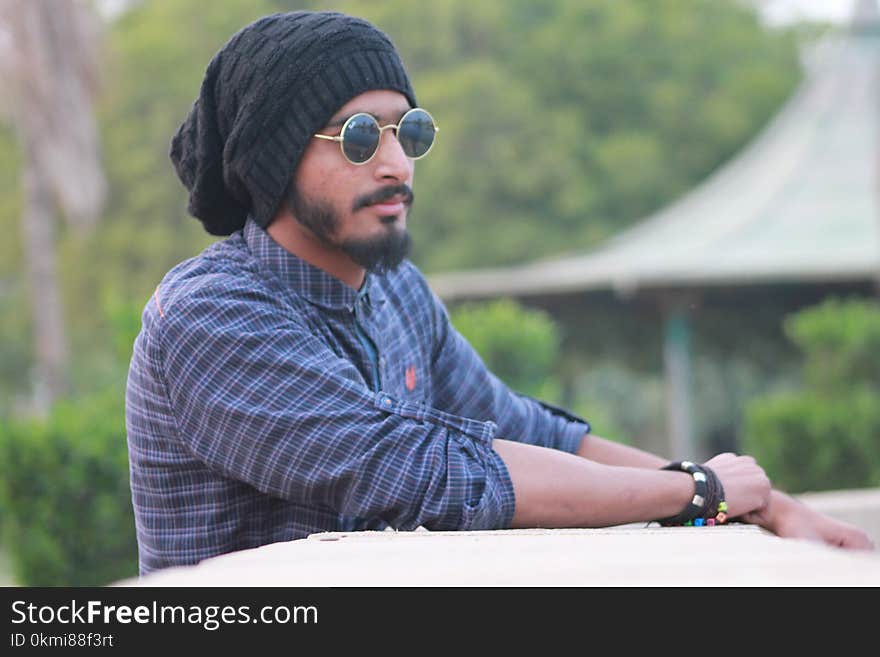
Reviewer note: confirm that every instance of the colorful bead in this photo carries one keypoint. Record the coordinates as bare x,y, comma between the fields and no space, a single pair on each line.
721,517
722,506
688,523
698,522
710,522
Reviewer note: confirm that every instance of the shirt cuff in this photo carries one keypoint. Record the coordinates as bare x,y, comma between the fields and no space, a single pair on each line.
570,428
494,508
572,436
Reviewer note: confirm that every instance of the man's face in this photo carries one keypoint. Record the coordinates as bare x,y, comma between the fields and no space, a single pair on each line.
359,210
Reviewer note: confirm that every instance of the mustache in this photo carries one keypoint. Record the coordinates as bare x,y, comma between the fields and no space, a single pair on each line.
403,190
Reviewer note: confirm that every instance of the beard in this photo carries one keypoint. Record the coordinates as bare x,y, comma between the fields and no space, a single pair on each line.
378,254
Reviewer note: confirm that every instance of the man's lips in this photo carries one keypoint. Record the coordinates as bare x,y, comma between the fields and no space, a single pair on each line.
390,200
395,205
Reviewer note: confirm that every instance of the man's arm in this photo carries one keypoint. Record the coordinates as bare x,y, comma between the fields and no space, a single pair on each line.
783,515
558,489
790,518
608,452
260,398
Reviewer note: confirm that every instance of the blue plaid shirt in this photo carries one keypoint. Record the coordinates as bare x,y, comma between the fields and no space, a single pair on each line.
255,412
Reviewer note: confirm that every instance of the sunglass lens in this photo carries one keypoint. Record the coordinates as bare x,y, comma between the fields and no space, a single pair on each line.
416,133
360,138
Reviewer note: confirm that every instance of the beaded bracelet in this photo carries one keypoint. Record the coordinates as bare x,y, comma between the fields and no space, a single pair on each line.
708,498
719,519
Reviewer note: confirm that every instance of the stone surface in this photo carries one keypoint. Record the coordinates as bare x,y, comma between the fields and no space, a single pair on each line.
628,555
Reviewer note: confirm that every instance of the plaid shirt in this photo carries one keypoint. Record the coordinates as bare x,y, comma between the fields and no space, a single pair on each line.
255,413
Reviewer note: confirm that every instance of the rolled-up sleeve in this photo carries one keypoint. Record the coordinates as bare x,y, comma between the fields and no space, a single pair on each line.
260,398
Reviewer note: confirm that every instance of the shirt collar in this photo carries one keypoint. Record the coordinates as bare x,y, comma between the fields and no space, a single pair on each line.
311,282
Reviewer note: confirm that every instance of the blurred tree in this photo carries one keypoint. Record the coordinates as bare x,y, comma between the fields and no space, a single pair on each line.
825,434
50,67
561,122
564,121
155,56
64,492
15,343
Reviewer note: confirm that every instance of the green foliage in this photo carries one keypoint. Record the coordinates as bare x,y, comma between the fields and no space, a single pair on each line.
808,441
825,435
841,341
520,345
64,489
576,119
125,321
562,121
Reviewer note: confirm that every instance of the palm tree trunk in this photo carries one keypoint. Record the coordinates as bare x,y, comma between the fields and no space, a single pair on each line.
38,230
48,77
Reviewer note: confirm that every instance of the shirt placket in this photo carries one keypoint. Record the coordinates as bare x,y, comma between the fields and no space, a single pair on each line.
362,313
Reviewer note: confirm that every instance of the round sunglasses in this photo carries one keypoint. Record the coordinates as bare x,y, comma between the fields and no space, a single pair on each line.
361,133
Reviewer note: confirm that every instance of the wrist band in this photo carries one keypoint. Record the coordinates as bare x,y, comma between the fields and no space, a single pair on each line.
695,507
715,503
708,506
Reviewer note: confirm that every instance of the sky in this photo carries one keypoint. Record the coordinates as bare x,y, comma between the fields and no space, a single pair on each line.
778,12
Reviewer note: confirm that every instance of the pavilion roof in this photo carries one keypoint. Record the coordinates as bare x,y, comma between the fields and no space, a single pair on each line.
799,203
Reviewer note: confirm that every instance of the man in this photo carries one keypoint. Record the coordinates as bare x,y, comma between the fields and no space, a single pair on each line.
300,376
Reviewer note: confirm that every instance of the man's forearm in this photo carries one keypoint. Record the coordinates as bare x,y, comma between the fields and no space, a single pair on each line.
608,452
782,514
558,489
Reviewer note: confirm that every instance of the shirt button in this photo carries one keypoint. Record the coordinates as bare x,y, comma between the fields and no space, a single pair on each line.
386,401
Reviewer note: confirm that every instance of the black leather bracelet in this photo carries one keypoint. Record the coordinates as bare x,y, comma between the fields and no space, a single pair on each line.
697,506
714,493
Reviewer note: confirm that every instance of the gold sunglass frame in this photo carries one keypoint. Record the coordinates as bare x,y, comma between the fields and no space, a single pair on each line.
339,138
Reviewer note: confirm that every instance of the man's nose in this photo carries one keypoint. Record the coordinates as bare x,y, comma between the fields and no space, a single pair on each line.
391,161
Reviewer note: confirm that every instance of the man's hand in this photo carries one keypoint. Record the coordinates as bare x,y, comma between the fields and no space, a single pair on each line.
746,486
789,518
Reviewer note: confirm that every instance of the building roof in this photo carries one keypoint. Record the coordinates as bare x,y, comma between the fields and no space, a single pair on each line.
799,203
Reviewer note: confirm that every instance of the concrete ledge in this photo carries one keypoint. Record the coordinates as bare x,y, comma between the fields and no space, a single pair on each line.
628,555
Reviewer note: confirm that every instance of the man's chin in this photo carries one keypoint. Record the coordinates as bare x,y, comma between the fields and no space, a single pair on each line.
382,254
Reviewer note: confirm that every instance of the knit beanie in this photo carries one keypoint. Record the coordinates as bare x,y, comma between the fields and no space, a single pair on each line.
273,85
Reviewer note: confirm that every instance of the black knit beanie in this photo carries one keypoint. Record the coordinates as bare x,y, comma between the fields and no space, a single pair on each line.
265,93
